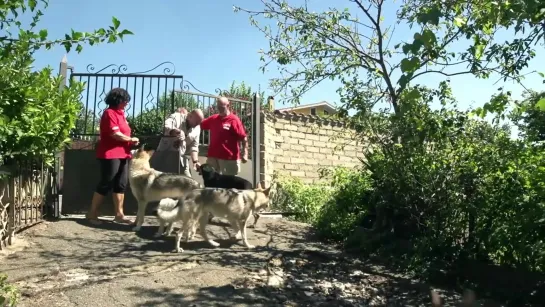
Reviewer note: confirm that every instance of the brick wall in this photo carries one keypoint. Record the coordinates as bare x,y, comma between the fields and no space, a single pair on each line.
299,145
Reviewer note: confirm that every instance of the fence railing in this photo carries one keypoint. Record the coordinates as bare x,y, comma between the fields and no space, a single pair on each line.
153,129
27,194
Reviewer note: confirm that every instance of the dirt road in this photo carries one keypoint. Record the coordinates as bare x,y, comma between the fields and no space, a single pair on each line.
69,263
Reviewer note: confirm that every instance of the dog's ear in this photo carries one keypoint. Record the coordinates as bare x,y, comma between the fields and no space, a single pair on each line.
267,191
259,186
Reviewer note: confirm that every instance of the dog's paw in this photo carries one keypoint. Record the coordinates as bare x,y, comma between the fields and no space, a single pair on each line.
178,250
136,228
249,246
238,236
214,243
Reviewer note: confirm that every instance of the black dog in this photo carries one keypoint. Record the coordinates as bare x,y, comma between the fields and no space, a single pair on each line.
213,179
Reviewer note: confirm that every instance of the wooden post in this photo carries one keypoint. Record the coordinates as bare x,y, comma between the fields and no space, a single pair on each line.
11,213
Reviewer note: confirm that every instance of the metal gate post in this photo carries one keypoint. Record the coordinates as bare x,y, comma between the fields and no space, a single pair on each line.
256,139
63,72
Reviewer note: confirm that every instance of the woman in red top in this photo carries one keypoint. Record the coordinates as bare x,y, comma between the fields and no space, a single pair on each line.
113,154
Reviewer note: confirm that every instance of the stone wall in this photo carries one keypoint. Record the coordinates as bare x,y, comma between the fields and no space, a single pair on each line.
299,145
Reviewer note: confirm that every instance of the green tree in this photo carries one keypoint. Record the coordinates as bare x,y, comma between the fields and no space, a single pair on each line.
530,117
86,123
244,108
150,122
35,117
243,92
480,21
310,47
444,185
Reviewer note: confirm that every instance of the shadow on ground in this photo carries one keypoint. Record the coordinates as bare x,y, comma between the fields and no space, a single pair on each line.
70,263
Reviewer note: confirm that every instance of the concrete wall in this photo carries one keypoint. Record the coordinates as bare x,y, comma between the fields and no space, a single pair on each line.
291,143
299,145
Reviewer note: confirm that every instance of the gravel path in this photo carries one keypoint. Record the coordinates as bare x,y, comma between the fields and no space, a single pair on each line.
69,263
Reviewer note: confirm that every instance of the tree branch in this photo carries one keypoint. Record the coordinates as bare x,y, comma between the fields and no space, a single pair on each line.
382,64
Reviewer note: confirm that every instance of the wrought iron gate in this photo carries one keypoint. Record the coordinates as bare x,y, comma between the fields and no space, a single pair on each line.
154,96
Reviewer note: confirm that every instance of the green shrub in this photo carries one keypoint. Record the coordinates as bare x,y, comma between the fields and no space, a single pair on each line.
9,294
453,189
303,200
456,189
347,205
335,206
35,117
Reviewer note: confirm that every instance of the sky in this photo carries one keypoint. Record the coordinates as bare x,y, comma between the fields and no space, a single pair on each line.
210,45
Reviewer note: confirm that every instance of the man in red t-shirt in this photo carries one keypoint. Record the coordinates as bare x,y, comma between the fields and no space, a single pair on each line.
226,132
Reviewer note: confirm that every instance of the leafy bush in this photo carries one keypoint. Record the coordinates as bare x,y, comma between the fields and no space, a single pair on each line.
9,294
36,117
347,205
304,201
334,206
455,188
151,122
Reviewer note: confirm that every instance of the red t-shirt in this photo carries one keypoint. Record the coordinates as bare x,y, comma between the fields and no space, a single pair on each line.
113,120
225,134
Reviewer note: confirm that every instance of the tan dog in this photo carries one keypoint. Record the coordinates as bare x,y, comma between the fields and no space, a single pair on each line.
149,185
234,205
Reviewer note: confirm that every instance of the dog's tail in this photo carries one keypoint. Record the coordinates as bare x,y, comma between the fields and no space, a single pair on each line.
168,209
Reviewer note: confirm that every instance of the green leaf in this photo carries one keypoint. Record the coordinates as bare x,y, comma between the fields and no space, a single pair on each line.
410,65
116,22
77,35
459,22
407,48
540,105
479,51
428,38
403,81
431,16
413,94
542,75
32,4
126,32
43,34
79,48
67,46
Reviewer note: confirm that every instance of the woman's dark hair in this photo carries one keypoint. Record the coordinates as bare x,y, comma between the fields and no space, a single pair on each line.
116,96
